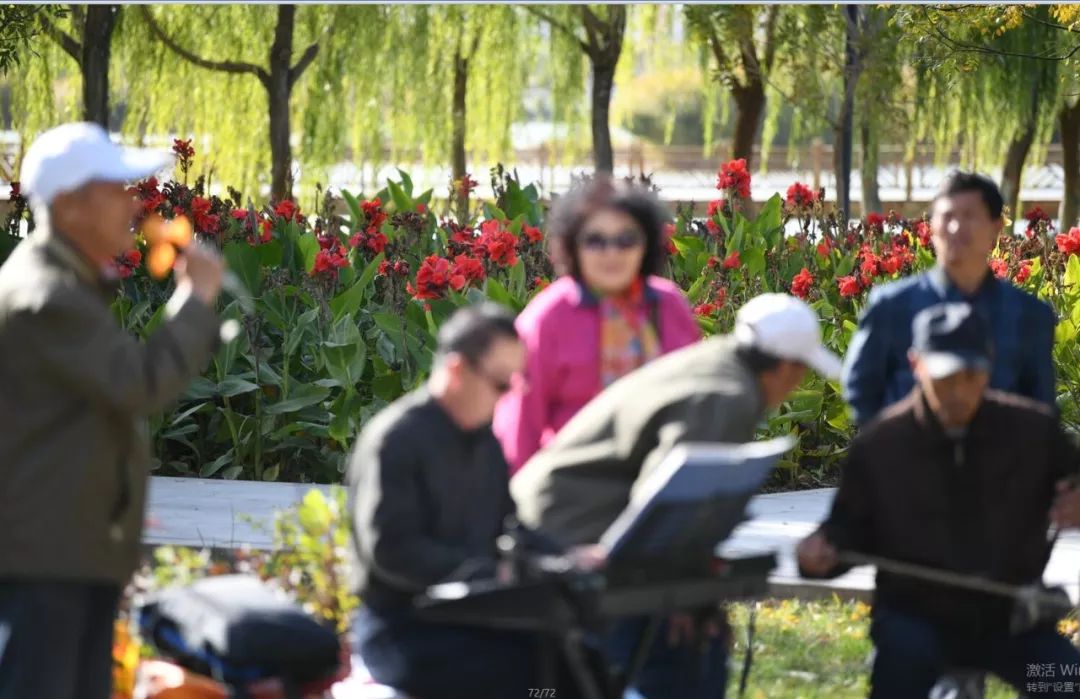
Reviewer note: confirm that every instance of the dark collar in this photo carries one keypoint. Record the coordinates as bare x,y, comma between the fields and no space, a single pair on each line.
929,422
941,283
586,298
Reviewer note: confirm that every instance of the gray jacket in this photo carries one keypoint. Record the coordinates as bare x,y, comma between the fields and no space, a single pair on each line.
75,388
580,482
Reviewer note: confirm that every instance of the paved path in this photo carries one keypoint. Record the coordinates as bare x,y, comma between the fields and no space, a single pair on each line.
200,512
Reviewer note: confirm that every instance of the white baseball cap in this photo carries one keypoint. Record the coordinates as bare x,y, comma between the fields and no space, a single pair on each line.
67,157
785,327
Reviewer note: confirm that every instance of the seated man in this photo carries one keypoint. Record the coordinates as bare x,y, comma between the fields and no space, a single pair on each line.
428,493
958,478
716,390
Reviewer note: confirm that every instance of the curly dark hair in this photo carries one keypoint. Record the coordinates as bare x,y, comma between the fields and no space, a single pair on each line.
570,212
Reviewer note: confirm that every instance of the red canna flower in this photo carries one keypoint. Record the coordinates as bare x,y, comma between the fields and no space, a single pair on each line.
329,261
799,196
669,235
875,222
370,239
464,186
849,286
433,279
374,216
288,210
713,227
470,268
801,283
721,298
891,264
205,222
734,178
1024,273
870,261
716,205
384,268
184,153
824,248
539,283
1069,243
922,232
732,261
705,309
498,243
133,258
713,262
421,208
1036,216
999,267
532,233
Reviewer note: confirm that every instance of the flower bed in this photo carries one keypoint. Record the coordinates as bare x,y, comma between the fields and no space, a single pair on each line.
346,305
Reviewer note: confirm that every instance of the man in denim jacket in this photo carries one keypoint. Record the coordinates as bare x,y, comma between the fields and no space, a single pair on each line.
966,222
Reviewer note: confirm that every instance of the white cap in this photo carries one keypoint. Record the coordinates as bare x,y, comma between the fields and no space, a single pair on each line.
69,156
785,327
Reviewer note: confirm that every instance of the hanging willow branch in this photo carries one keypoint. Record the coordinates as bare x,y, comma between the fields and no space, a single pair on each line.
223,66
72,47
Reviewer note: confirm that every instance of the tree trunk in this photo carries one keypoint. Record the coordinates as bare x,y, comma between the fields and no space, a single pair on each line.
1016,156
843,132
1069,122
868,171
461,85
279,90
603,79
94,63
749,107
457,147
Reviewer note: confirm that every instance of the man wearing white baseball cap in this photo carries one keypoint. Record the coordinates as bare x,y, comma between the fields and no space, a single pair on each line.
74,451
716,390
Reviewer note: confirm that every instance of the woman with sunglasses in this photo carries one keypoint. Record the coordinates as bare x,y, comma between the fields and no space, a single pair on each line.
606,315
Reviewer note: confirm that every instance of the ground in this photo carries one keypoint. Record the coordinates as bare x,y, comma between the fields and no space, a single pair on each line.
811,650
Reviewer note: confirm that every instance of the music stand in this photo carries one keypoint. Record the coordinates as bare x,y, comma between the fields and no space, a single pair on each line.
694,500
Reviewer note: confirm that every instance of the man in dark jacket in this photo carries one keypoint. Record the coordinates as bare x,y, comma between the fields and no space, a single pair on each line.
76,389
967,220
428,491
957,478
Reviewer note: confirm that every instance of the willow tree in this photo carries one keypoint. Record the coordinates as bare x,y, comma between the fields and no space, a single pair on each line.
596,31
743,41
992,80
459,89
83,34
278,76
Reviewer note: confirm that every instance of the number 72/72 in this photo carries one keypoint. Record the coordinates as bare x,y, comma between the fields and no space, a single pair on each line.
542,693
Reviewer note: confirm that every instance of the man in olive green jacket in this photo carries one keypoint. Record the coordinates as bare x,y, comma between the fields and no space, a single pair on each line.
74,391
714,391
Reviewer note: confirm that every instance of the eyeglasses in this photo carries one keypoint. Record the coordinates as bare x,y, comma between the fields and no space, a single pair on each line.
627,240
501,385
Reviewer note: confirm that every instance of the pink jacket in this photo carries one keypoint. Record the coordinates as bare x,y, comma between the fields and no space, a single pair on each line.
561,331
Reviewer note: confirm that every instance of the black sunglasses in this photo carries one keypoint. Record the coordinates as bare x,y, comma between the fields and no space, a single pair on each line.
501,386
626,240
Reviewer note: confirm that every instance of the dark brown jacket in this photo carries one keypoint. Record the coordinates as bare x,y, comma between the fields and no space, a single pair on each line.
75,388
976,505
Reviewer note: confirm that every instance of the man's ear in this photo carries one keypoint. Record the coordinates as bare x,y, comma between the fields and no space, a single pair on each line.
913,359
452,364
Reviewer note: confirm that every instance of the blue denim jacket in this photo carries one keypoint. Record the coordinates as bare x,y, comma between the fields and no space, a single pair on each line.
876,370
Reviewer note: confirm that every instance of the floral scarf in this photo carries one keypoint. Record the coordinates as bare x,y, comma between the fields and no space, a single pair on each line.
627,338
